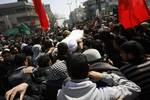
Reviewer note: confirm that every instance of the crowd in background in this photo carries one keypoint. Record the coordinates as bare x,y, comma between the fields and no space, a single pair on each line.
107,53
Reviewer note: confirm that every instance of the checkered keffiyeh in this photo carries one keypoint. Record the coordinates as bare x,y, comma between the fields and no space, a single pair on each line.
58,70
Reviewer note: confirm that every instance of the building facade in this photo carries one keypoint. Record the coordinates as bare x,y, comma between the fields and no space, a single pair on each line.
148,3
90,9
104,6
77,16
52,18
12,14
19,12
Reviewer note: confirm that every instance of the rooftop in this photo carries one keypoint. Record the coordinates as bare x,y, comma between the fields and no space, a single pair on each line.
15,5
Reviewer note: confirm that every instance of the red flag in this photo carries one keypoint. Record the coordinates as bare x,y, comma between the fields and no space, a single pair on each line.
132,12
41,13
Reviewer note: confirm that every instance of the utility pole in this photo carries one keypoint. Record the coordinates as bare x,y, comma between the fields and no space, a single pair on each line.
69,5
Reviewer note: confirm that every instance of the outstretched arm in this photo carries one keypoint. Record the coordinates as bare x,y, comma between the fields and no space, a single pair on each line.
121,88
21,89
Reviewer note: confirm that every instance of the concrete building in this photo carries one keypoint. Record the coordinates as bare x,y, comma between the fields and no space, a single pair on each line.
90,9
104,6
148,3
12,14
77,16
18,12
112,2
51,16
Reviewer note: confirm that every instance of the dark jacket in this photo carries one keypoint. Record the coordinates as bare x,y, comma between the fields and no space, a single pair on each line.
104,67
139,72
45,76
5,68
34,91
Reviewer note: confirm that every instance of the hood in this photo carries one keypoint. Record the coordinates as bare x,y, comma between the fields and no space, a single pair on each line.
81,90
36,49
102,66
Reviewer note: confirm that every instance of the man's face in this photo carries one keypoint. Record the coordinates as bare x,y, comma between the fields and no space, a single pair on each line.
6,56
26,62
127,57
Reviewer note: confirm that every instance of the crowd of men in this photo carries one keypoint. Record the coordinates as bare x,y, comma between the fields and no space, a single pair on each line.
106,62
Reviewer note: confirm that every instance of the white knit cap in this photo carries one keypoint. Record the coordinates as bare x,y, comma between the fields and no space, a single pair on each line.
71,43
92,55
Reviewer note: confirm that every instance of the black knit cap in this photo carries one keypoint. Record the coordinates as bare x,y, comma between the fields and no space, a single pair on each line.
77,66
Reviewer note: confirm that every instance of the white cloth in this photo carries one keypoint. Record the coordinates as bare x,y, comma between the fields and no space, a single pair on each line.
71,43
76,34
72,39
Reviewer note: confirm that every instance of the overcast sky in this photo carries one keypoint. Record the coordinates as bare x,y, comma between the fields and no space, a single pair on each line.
59,7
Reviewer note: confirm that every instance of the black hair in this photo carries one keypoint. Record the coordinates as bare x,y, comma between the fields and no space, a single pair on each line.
20,59
62,51
43,61
13,49
134,48
47,44
5,51
106,35
120,40
27,50
99,45
37,40
77,66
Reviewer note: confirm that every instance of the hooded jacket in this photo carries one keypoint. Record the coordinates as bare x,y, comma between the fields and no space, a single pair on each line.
36,49
86,90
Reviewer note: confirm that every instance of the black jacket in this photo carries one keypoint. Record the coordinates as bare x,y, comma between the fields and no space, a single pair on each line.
139,72
34,91
104,67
